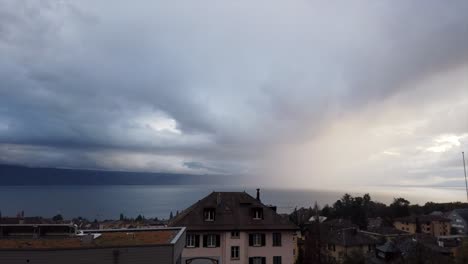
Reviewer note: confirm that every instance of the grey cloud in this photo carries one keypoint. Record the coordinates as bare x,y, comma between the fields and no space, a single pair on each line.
237,78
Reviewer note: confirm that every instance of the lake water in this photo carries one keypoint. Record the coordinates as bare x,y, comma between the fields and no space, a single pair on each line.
107,202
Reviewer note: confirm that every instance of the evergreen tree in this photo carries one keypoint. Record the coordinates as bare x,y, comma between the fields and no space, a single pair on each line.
58,217
139,218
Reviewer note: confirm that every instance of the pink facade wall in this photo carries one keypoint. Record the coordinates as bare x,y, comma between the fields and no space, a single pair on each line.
223,253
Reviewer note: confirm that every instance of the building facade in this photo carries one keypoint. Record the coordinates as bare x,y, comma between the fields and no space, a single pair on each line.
426,224
234,227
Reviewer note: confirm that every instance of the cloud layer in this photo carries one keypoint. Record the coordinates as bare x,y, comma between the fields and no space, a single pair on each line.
285,91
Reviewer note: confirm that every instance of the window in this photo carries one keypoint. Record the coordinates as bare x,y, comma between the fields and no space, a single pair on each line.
277,239
211,240
209,214
235,252
258,213
256,240
257,260
277,260
235,234
192,240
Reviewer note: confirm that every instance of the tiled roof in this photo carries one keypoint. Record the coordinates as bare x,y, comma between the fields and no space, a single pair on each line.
422,218
336,224
121,238
233,212
386,231
348,238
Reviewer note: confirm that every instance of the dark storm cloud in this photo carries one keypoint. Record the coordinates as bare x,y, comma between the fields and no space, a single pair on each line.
216,82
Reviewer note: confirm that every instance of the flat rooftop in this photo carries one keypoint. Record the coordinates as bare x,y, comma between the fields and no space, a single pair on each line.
97,239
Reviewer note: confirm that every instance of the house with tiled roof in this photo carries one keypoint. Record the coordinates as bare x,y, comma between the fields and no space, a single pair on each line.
340,243
234,227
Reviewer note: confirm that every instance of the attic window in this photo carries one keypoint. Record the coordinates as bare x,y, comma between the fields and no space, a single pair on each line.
209,214
257,213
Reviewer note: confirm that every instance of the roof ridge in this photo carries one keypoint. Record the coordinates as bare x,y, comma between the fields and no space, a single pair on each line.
189,209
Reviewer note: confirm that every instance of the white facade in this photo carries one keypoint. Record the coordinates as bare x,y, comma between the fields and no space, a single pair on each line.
222,253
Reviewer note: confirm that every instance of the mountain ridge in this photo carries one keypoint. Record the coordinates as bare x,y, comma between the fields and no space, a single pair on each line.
18,175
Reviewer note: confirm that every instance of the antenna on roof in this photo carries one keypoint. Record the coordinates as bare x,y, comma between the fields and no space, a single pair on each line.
464,169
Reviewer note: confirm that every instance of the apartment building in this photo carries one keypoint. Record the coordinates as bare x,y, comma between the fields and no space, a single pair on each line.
234,227
428,224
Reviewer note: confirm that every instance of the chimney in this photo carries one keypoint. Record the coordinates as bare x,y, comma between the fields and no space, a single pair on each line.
258,194
218,199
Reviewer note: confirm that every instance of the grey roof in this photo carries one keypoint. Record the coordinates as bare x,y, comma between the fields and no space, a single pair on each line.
386,231
388,247
349,238
407,244
336,224
463,213
233,212
25,220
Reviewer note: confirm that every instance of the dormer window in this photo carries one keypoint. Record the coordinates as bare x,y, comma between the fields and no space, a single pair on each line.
257,213
209,214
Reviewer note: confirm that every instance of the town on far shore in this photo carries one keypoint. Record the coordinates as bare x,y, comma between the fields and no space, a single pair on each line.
238,228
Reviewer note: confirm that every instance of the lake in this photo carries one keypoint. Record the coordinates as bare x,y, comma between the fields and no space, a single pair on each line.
107,202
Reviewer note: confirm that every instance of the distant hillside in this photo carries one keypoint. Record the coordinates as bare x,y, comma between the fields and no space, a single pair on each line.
20,175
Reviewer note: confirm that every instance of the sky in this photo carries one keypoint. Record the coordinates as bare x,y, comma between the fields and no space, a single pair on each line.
300,94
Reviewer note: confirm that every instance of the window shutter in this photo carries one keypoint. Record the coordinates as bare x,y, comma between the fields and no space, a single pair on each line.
197,240
250,239
263,240
263,260
218,241
205,240
250,260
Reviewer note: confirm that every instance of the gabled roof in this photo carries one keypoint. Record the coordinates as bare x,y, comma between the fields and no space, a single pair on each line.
349,238
422,218
233,212
386,231
337,224
388,247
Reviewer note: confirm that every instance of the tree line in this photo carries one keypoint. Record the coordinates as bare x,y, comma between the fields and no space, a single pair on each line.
358,209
